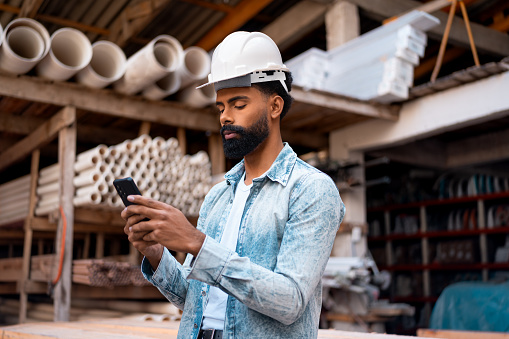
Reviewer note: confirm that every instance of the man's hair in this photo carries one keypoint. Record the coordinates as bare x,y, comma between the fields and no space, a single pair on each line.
274,87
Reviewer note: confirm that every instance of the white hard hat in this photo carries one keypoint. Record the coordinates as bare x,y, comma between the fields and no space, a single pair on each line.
243,58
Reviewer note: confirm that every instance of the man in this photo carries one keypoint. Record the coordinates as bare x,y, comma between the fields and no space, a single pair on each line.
264,235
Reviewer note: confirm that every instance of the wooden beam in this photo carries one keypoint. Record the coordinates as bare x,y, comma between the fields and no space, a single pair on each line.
241,14
296,22
65,234
486,39
345,104
107,102
42,135
133,19
30,7
58,21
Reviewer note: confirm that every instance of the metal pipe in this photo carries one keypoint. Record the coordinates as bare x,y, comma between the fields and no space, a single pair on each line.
70,52
108,64
162,55
26,42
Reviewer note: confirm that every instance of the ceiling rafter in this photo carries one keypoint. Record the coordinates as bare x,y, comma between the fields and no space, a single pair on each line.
29,8
211,5
241,14
133,19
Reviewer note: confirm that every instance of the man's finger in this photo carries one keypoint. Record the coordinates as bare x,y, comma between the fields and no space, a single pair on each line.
144,201
143,226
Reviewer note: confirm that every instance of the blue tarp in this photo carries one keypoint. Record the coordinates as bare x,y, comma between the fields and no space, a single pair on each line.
472,306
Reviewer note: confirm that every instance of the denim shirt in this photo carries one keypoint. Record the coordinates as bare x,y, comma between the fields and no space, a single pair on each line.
273,279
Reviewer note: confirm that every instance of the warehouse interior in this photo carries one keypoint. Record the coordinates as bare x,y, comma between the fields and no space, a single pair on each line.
402,102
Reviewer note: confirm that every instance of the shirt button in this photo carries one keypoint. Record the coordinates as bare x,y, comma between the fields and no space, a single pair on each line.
195,325
203,293
231,200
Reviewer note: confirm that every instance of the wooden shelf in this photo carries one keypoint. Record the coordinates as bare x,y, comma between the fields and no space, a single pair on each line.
439,202
440,234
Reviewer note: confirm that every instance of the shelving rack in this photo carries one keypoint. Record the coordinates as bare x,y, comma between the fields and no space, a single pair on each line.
424,235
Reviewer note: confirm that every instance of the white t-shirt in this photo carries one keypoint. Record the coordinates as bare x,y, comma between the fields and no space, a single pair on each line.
215,311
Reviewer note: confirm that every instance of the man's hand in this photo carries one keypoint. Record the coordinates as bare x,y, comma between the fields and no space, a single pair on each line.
167,226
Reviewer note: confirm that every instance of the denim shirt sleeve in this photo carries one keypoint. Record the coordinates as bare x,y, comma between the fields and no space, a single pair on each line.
315,212
169,278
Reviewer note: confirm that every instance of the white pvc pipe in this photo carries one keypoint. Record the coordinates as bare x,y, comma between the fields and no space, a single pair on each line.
100,187
15,182
46,209
108,64
142,141
197,97
163,87
87,178
51,187
172,143
162,55
99,150
92,160
70,52
49,199
50,177
93,198
196,66
25,43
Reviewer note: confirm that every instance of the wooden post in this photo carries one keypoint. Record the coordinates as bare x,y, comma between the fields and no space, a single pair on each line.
66,157
181,136
342,23
144,128
216,153
27,247
99,245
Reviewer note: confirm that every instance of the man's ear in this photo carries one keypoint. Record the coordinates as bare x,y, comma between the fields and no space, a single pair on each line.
276,106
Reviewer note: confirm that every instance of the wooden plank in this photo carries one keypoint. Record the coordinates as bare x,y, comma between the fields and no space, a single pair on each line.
450,334
182,139
486,39
344,104
27,247
42,135
66,156
241,14
107,102
309,139
296,22
19,124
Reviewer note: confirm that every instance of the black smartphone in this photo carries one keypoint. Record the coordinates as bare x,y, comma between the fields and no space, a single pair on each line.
126,187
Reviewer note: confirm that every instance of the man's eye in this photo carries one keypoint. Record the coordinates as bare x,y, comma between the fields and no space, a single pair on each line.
240,107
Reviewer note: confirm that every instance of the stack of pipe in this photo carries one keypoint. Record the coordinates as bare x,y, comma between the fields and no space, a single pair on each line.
159,69
105,273
378,65
156,165
14,200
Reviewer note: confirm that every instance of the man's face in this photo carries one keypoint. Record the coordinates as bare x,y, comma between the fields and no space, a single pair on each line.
244,121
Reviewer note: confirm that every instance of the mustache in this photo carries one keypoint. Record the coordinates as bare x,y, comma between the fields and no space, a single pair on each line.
232,128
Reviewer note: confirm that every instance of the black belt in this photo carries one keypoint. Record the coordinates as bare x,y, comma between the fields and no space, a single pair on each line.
210,334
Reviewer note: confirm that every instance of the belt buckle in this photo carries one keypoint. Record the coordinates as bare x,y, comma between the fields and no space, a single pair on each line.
208,334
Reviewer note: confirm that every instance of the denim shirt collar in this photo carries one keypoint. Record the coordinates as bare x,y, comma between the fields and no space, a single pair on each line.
279,170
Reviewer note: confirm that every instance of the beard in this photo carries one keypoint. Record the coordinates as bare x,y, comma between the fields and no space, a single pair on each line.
248,139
